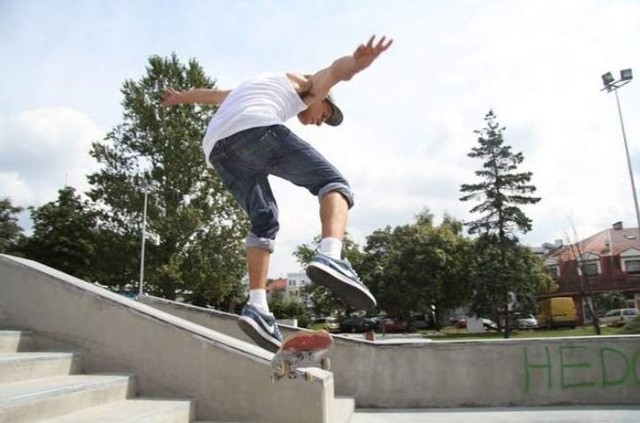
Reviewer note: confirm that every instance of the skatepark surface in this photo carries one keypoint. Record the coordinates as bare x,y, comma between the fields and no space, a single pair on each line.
567,414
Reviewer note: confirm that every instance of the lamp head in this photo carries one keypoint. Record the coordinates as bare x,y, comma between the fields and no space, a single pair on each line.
607,79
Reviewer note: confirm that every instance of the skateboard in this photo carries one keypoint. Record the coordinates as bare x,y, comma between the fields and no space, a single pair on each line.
303,349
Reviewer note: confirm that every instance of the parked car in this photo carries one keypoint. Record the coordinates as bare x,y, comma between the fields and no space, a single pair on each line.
619,316
390,325
488,324
330,324
356,325
423,322
527,321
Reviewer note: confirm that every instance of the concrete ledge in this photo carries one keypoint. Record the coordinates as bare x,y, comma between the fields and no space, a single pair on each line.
228,378
514,372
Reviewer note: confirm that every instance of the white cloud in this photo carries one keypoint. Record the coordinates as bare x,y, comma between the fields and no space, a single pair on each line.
409,120
44,150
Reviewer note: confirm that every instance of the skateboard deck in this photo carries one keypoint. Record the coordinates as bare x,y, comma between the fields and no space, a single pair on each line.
303,349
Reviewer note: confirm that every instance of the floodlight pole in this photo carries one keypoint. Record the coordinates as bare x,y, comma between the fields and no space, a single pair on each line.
144,236
613,86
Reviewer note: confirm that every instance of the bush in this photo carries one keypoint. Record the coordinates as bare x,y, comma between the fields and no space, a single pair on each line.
633,327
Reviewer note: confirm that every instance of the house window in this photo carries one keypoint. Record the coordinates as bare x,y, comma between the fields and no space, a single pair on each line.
553,271
590,269
632,266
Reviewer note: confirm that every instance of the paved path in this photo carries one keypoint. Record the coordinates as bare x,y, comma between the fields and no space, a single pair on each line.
568,414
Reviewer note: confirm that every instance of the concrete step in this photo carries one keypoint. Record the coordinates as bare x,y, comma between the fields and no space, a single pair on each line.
37,365
14,340
39,399
136,410
342,410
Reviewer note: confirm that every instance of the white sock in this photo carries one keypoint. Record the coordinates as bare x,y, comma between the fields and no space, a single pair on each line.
331,247
258,299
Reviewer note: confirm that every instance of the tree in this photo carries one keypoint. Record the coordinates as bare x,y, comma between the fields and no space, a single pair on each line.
454,272
578,276
500,193
195,230
414,267
291,309
515,269
10,232
64,235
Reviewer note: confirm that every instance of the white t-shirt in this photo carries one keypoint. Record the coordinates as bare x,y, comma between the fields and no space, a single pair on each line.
264,100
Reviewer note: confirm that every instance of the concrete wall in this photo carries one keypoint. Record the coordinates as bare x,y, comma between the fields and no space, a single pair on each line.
229,379
525,372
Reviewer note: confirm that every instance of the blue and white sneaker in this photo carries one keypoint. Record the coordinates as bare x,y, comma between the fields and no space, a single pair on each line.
339,277
260,327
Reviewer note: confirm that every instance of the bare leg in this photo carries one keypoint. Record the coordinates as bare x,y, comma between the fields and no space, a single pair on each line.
333,215
258,267
327,268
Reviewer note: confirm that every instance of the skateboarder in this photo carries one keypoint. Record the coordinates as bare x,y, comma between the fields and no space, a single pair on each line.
246,141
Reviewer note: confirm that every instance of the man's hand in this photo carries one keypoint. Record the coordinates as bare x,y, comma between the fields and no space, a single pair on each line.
170,97
366,54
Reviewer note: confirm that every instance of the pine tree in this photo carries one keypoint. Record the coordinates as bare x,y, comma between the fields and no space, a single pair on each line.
501,192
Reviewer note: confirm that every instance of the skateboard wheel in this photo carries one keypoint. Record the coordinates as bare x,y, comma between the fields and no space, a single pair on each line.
325,363
284,367
308,376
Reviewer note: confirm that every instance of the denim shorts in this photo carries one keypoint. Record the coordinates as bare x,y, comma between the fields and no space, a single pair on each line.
245,160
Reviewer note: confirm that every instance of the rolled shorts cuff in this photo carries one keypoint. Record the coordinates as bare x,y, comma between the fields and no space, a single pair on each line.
254,241
339,187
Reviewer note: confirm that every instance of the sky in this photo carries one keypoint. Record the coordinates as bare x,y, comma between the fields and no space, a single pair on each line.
409,118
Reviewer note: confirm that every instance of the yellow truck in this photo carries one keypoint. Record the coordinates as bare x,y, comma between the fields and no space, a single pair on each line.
557,312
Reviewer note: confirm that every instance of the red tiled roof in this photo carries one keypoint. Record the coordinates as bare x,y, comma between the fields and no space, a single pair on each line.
280,283
605,243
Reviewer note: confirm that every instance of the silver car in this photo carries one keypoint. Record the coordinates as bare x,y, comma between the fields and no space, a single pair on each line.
528,321
619,316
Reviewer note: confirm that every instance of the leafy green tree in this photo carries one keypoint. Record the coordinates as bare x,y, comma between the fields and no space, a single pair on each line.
455,271
64,235
496,266
10,232
195,230
611,300
501,192
283,309
414,267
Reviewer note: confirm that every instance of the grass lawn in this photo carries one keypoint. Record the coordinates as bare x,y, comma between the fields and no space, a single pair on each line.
451,334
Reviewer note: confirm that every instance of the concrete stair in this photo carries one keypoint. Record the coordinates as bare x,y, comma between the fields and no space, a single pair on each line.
48,387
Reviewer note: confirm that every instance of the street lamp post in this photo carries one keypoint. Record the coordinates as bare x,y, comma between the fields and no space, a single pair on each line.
610,84
144,236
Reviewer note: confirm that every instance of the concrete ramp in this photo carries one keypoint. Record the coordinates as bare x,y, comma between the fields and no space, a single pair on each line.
228,378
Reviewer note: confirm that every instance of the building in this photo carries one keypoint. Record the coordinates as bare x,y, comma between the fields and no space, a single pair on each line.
276,285
295,283
607,262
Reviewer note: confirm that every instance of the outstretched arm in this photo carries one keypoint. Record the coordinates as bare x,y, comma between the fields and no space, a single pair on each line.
172,97
316,87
